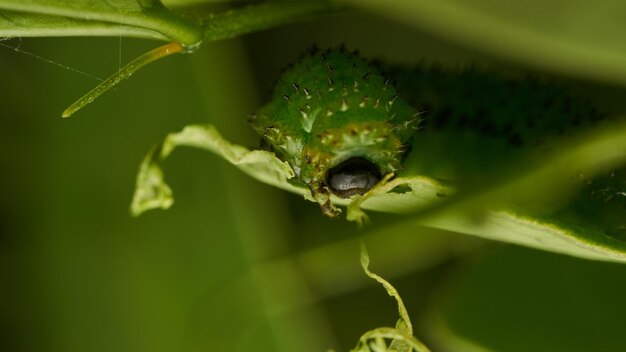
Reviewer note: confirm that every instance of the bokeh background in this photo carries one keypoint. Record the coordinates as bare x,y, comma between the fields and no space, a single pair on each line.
236,265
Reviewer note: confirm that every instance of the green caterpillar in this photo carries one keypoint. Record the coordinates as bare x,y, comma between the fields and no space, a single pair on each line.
339,123
342,123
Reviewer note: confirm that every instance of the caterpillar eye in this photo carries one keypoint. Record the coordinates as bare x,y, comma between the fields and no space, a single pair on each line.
353,176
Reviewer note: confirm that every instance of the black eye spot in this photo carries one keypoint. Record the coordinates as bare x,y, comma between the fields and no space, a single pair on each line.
353,176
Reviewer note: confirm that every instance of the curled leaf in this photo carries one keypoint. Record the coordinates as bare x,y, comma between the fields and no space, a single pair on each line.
402,339
261,165
151,191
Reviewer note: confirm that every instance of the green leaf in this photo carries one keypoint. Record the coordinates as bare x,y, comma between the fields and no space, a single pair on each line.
150,191
23,24
508,208
147,14
266,167
420,192
534,202
584,39
533,205
148,19
533,231
262,165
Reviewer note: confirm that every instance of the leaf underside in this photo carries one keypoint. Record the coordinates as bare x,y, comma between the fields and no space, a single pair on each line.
509,209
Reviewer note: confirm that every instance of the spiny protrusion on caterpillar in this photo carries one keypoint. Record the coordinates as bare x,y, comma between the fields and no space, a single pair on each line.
390,102
363,101
317,128
344,105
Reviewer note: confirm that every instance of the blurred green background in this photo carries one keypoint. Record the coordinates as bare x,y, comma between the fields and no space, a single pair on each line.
236,265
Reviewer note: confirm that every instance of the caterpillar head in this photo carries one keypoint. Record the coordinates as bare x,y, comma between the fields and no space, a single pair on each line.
339,123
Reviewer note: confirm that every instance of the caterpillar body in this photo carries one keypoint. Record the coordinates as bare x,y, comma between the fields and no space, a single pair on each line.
342,122
339,123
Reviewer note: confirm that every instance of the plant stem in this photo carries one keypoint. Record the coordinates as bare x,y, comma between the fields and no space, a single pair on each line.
228,25
125,72
263,16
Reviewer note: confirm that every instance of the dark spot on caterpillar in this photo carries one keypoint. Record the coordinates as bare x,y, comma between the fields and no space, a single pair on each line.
507,129
443,118
481,112
376,63
515,140
264,144
596,115
488,128
548,102
462,122
510,85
